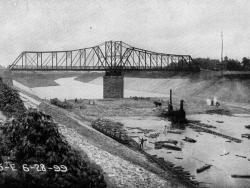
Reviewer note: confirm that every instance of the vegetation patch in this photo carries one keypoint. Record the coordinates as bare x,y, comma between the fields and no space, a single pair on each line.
57,102
10,102
105,123
112,129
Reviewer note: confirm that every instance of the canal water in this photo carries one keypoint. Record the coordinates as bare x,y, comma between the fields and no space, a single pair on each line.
208,149
69,88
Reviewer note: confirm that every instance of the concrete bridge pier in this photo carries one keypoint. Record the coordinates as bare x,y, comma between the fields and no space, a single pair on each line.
113,84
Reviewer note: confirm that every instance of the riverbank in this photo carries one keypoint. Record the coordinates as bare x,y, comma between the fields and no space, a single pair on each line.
80,122
126,158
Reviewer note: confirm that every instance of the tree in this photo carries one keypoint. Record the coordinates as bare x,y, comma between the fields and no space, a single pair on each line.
246,63
233,65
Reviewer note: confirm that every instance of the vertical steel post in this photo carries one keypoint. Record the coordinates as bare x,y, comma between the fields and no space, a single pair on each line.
80,58
156,56
98,60
115,48
22,59
150,60
56,61
52,57
85,58
37,60
111,52
25,59
121,53
139,59
66,59
133,56
71,62
41,54
161,61
105,53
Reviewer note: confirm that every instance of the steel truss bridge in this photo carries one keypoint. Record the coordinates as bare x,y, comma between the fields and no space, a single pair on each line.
110,55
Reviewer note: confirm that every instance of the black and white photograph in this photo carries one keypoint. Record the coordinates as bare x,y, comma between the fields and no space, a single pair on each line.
124,93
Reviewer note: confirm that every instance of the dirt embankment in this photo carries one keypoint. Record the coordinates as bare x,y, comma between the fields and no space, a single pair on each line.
227,87
123,167
230,88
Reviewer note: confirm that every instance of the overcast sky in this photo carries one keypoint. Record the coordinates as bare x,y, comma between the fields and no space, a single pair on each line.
172,26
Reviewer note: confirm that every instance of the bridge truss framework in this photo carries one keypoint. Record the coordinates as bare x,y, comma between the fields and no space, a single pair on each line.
110,55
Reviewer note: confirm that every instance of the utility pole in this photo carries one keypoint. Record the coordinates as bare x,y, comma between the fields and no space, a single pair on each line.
221,59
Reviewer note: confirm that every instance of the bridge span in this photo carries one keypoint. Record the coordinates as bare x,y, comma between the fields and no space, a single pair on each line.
109,55
113,57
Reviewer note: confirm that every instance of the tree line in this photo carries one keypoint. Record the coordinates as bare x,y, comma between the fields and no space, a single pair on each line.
226,64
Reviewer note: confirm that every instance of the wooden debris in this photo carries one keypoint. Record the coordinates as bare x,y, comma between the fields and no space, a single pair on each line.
245,135
220,121
159,145
187,139
171,141
225,154
240,176
202,124
178,157
241,156
174,132
168,146
203,168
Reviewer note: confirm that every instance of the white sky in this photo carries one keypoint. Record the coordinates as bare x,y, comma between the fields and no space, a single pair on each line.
172,26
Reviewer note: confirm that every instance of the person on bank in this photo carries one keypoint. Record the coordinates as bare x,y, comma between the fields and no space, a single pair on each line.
142,140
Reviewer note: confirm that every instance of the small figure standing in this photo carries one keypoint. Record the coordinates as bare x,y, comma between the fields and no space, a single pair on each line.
142,142
165,130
